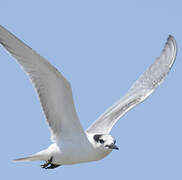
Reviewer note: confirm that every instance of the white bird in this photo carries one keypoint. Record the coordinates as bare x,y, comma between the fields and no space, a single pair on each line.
71,144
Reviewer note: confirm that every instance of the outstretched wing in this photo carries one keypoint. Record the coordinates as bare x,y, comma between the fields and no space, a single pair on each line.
53,89
139,91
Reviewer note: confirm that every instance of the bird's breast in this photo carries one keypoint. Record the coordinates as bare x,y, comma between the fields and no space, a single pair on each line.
71,153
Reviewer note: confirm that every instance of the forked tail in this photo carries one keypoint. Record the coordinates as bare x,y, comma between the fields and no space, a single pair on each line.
29,158
42,155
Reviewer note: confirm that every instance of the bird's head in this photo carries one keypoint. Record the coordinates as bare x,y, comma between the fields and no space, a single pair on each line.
105,141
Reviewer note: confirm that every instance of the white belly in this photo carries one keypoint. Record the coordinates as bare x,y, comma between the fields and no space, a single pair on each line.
74,155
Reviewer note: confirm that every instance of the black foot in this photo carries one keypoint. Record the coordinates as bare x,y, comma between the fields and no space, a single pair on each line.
49,165
52,166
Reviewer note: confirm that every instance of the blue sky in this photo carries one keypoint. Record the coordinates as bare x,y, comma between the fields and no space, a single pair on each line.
101,47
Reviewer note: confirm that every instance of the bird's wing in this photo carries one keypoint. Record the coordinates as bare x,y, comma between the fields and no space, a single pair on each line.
53,89
139,91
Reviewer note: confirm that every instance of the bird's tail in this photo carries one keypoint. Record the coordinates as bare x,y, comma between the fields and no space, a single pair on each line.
28,158
38,156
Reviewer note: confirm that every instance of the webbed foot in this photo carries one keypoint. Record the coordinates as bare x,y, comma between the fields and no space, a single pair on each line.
49,165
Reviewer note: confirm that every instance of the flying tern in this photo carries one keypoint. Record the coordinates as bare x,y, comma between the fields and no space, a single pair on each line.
71,144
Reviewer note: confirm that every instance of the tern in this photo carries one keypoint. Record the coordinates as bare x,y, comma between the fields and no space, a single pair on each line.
70,143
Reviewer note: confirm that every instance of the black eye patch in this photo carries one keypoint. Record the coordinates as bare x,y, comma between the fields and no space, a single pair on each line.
101,141
97,137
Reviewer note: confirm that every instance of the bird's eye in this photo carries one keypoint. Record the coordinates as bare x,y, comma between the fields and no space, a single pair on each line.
101,141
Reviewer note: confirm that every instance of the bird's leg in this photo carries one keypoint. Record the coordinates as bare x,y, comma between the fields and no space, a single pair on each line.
47,163
52,166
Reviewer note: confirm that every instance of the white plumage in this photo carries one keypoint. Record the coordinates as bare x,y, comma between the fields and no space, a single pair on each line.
71,144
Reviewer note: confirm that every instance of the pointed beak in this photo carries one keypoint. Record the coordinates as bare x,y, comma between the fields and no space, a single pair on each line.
112,146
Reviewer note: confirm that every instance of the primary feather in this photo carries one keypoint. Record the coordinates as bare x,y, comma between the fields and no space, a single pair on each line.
139,91
53,89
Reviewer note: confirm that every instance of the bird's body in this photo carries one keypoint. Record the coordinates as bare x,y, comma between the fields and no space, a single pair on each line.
70,153
71,144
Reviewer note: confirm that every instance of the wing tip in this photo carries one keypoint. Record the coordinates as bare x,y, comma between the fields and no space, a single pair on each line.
170,36
172,44
172,39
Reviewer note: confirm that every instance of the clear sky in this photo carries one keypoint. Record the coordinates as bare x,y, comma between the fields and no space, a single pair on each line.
101,47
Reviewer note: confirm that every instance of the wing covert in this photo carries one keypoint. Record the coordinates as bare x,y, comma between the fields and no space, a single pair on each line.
139,91
53,89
